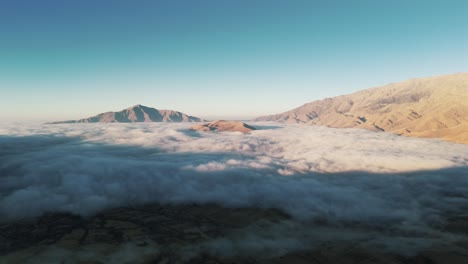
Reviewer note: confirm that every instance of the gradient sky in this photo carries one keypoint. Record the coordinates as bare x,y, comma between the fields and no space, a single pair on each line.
67,59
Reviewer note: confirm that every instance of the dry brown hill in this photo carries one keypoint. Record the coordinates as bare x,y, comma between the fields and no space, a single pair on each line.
223,125
427,107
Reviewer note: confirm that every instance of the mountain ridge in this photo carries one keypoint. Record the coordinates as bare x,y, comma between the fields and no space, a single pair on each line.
136,113
434,107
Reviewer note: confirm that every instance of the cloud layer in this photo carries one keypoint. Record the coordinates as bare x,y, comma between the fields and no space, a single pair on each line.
312,173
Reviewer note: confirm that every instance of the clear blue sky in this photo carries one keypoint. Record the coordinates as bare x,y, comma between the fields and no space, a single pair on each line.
66,59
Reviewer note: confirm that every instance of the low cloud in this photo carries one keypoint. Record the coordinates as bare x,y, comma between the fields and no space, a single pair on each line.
311,173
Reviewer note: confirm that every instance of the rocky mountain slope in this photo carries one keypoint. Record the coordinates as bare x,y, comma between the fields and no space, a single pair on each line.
137,113
428,107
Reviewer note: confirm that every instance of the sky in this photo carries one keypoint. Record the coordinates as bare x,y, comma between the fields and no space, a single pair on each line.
66,59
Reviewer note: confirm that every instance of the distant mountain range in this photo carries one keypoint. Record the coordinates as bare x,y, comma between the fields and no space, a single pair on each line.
428,107
137,113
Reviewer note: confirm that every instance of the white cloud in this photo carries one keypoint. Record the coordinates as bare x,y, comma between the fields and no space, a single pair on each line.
376,179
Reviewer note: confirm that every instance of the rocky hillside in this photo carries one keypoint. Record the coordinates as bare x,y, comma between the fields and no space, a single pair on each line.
223,125
429,107
137,113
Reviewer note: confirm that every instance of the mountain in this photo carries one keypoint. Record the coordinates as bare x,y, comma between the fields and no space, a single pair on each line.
427,107
137,113
223,125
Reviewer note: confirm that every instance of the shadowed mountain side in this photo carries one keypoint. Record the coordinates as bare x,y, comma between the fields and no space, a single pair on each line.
137,113
266,127
428,107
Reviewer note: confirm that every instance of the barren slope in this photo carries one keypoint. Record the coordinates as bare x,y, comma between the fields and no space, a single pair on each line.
223,125
428,107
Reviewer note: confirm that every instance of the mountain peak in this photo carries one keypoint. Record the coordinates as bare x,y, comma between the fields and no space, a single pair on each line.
137,113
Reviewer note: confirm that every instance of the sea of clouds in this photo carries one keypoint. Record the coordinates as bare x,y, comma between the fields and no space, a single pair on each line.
312,173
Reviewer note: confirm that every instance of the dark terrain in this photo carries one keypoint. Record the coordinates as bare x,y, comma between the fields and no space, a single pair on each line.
173,234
